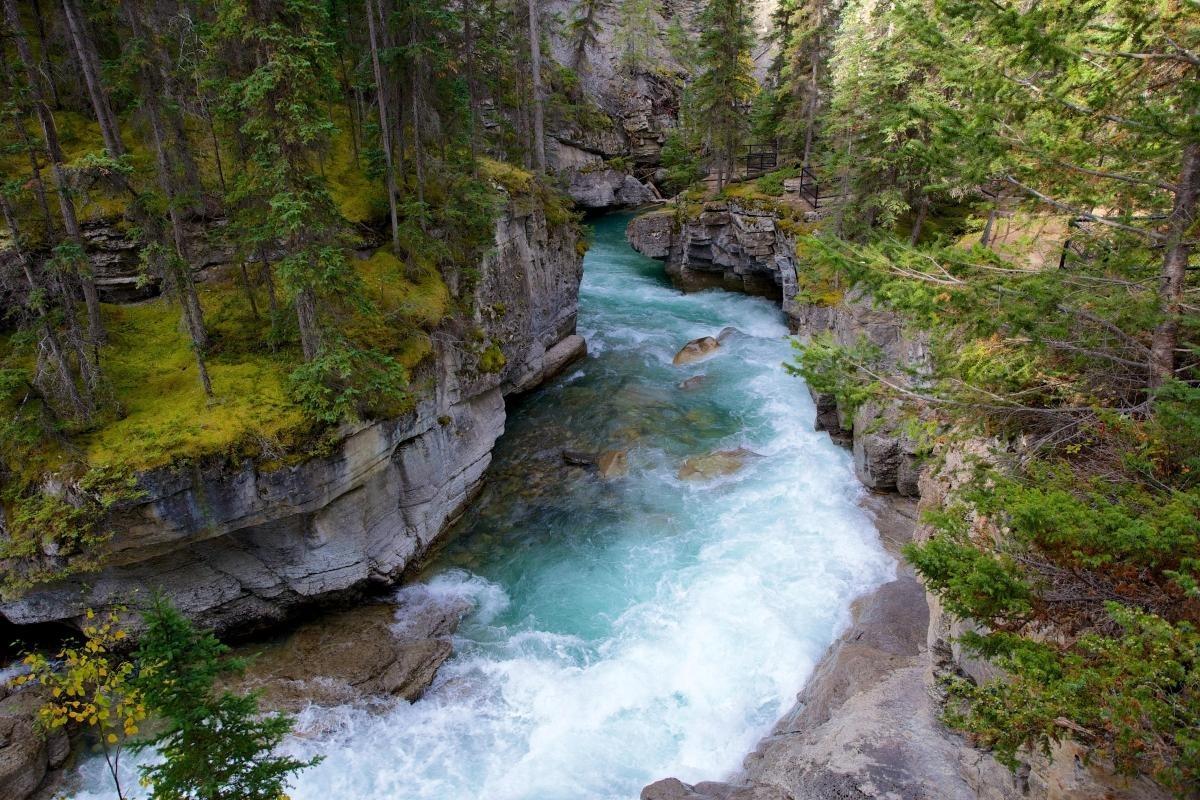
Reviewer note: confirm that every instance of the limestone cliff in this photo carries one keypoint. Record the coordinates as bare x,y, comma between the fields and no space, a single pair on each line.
238,545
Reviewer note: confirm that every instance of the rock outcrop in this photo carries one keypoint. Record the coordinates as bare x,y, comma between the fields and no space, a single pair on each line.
607,152
240,545
380,650
605,187
695,350
26,753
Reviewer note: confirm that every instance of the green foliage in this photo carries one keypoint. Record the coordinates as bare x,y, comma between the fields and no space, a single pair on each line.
839,371
681,160
492,358
772,183
346,383
1134,694
726,84
216,745
60,532
637,35
91,687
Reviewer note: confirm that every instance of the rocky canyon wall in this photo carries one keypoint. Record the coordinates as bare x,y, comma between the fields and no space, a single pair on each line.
240,545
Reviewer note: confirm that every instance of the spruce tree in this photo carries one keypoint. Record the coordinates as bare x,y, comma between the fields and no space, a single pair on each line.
726,86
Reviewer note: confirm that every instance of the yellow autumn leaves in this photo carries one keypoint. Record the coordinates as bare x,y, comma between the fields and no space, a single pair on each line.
88,684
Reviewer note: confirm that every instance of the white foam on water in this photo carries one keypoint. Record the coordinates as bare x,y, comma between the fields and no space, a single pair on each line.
726,593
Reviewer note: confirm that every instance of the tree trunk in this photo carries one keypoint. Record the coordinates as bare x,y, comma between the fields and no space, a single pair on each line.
535,70
385,135
468,16
49,334
264,271
189,300
67,205
414,99
85,50
310,328
919,220
811,110
45,52
1174,270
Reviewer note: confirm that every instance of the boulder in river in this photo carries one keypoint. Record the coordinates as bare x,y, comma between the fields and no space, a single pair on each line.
714,465
694,382
695,350
612,463
354,655
726,333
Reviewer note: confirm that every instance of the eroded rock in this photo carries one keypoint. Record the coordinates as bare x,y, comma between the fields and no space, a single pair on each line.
715,464
695,350
612,463
26,752
353,655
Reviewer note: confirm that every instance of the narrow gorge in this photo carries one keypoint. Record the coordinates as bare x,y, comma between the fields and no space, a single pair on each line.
599,400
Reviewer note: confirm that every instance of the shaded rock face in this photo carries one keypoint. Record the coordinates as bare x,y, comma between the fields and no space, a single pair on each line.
26,754
236,546
726,246
606,188
116,262
632,109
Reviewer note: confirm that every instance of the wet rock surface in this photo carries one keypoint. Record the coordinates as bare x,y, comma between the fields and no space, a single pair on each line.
695,350
355,655
714,465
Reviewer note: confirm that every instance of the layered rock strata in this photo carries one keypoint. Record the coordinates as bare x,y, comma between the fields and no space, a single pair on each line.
237,545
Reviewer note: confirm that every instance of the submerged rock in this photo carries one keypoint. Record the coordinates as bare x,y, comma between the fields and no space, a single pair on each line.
612,463
694,382
695,350
726,333
578,458
353,655
715,464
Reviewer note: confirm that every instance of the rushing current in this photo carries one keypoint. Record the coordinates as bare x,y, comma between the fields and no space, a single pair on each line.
628,628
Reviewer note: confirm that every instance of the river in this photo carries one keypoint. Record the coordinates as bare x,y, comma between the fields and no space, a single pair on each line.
636,627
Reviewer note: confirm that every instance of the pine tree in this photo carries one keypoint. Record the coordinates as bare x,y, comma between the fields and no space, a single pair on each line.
726,85
215,745
637,34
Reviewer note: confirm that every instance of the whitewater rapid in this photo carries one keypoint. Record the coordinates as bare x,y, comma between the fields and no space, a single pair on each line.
629,629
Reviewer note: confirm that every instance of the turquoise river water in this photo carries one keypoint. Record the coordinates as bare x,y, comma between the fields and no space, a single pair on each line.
631,628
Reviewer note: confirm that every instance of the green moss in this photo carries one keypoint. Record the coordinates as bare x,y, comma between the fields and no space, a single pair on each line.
509,177
423,301
359,197
492,359
152,371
